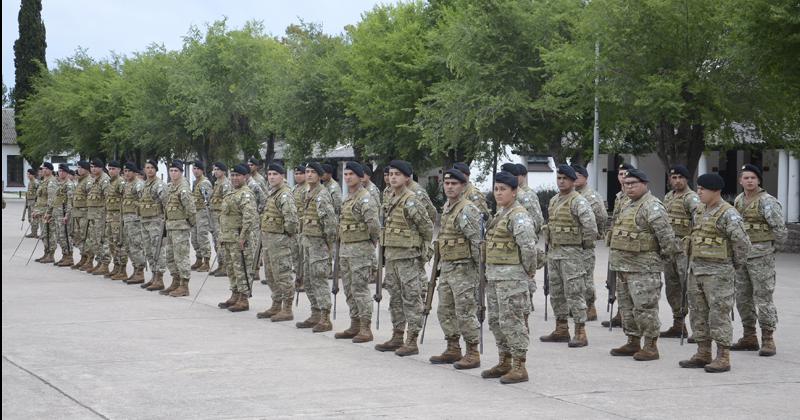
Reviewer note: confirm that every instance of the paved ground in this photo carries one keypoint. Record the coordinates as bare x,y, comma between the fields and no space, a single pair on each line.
75,346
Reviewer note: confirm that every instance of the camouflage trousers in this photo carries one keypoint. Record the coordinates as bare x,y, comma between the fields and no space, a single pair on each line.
48,234
567,284
78,233
506,301
674,279
177,245
755,284
316,272
588,291
154,242
638,295
95,241
710,303
458,310
31,220
240,280
61,231
113,236
133,239
214,225
356,274
404,279
279,271
200,231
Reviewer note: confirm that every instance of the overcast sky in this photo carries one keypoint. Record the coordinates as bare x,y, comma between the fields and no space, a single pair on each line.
121,26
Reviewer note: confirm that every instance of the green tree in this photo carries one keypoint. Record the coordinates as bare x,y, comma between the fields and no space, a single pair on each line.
29,60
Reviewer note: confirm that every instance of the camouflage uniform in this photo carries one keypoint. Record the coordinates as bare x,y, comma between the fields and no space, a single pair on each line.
600,217
260,192
30,203
424,199
755,281
199,232
335,191
133,233
259,179
238,220
642,237
180,218
151,210
530,201
680,209
374,193
61,208
78,215
279,225
319,225
221,188
113,227
477,198
96,215
359,231
43,208
299,194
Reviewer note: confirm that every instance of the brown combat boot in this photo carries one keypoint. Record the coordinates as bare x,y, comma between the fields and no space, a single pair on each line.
241,305
66,261
723,361
616,322
649,351
394,343
591,311
221,272
198,261
700,359
451,354
47,258
112,273
518,372
767,343
630,348
121,272
274,309
60,260
203,266
559,335
748,342
350,332
231,300
176,281
675,330
471,360
580,339
137,277
182,290
87,265
364,331
42,257
80,262
158,283
285,314
311,321
410,347
501,368
101,270
324,323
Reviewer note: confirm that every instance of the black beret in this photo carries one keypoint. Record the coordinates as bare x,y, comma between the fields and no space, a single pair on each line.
98,163
70,171
152,162
114,164
522,170
567,171
462,167
241,169
47,165
255,161
711,182
177,164
635,173
752,168
625,167
455,174
680,170
580,169
367,169
386,170
510,168
355,167
83,164
328,168
505,177
63,167
316,167
32,171
221,166
199,164
401,166
277,168
131,166
300,168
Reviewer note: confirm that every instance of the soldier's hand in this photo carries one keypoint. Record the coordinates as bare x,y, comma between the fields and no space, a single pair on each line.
65,220
241,244
588,244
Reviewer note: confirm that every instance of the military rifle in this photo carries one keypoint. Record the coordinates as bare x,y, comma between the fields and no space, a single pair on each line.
611,285
379,277
20,242
426,310
482,280
47,227
66,231
336,268
25,210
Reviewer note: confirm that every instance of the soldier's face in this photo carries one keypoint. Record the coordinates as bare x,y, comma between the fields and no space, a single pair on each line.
175,174
128,174
581,181
218,173
397,179
112,171
149,170
565,183
299,177
677,182
708,196
81,171
197,172
237,179
312,177
351,178
634,188
274,178
62,175
385,179
253,168
748,181
95,170
453,188
504,195
365,180
621,176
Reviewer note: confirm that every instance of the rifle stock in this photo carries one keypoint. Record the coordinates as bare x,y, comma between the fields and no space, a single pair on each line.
546,286
336,268
426,310
611,285
379,281
482,281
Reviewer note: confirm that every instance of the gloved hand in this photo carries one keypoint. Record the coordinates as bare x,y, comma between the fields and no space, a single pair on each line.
588,244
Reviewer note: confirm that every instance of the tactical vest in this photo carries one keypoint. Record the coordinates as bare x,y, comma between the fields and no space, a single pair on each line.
231,216
174,207
453,245
147,206
707,243
397,232
311,223
680,220
114,198
272,218
628,236
199,200
351,229
79,197
61,195
130,203
216,195
41,193
95,196
501,249
30,194
754,223
562,226
297,193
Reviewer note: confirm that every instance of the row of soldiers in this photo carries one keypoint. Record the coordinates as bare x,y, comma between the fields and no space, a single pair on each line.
312,232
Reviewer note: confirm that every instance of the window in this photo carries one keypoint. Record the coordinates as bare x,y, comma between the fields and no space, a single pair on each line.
58,159
15,166
538,163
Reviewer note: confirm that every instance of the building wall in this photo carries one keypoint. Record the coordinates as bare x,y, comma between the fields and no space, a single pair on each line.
13,149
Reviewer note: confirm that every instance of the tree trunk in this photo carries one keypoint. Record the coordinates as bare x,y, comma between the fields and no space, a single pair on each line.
270,154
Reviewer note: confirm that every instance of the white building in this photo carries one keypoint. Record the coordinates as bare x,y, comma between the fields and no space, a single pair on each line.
15,167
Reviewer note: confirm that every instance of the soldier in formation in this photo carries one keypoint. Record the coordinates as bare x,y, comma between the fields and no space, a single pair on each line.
78,213
42,211
133,236
60,211
180,219
620,200
30,202
221,187
600,218
332,186
152,212
113,227
201,192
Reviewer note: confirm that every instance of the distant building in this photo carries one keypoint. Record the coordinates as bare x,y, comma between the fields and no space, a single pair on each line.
14,165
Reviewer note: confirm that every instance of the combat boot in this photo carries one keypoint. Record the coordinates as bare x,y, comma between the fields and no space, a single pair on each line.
137,277
616,322
324,323
580,339
394,343
451,355
158,283
767,343
182,290
630,348
700,359
149,282
87,265
471,360
410,347
66,261
198,261
101,270
350,332
675,330
276,307
364,331
285,314
122,273
47,258
176,281
501,368
57,263
41,258
241,305
518,372
591,311
32,234
311,321
559,335
204,266
231,300
80,262
748,342
112,273
649,351
220,272
723,361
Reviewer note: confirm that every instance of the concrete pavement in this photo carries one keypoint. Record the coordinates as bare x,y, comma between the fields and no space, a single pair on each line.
79,346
